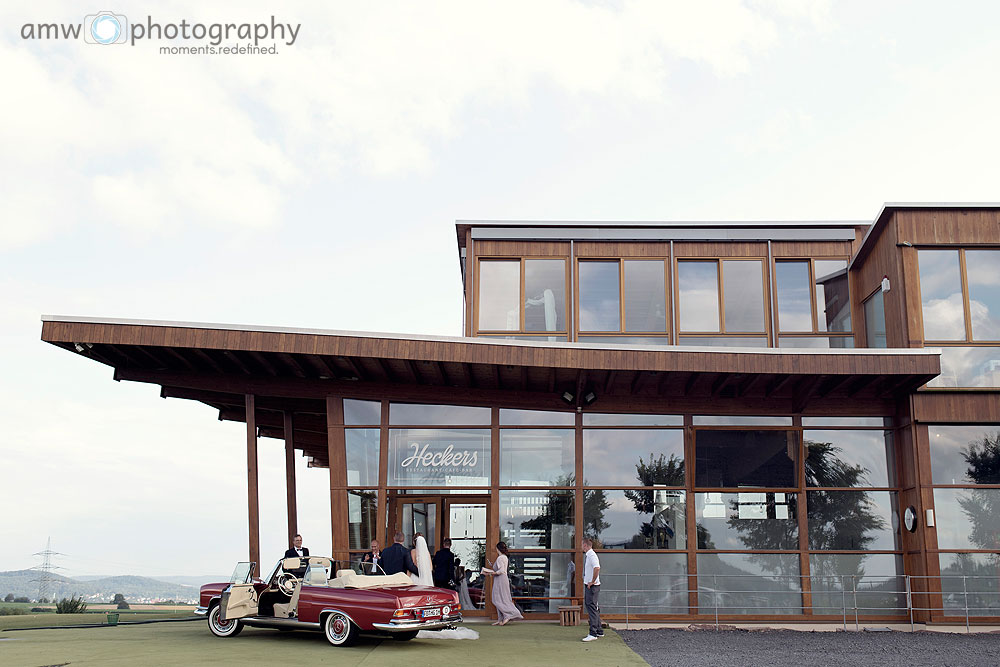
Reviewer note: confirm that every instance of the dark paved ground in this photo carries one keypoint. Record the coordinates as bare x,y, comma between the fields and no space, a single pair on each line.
791,647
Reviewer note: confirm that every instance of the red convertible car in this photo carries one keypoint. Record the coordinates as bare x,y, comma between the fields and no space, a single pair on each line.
302,594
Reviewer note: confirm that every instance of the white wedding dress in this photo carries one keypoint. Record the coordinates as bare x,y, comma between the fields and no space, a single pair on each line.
423,563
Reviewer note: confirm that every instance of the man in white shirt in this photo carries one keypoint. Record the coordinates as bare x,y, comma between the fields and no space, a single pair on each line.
592,589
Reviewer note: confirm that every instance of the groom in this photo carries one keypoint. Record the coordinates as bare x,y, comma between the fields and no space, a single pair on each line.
397,557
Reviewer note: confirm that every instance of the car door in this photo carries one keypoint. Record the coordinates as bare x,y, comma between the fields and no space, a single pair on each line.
239,599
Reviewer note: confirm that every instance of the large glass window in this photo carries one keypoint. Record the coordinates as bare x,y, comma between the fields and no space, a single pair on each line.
434,458
534,577
633,457
362,519
616,419
645,296
875,333
537,457
984,293
849,458
735,458
794,305
544,295
833,298
362,456
362,413
636,518
813,298
499,295
600,308
535,418
698,290
743,289
875,580
657,583
723,341
749,584
965,454
968,583
852,520
967,518
750,520
968,367
541,519
941,295
414,414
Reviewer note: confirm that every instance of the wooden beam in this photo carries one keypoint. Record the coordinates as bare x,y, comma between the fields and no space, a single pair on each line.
289,361
201,354
337,458
232,356
176,354
253,502
805,391
263,363
354,368
292,509
779,384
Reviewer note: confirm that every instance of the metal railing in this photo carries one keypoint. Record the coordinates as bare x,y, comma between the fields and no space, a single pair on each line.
859,596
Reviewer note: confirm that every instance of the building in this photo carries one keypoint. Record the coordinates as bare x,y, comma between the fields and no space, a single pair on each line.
755,420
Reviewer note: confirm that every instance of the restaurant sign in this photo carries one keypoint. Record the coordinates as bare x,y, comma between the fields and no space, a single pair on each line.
448,457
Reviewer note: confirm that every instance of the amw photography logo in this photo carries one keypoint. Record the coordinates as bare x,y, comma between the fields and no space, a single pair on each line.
194,37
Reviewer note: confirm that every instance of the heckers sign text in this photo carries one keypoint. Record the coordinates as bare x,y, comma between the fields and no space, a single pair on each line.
439,457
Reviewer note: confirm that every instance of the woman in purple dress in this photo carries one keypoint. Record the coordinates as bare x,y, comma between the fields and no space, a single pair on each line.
507,611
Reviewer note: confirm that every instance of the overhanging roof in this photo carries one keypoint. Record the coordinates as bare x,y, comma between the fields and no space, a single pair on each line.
294,369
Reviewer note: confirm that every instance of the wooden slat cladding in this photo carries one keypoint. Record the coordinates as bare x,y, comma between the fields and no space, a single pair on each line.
621,249
812,249
521,248
720,249
478,352
956,407
948,226
883,260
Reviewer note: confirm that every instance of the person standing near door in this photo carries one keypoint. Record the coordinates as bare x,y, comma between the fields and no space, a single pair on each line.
592,582
507,611
396,558
444,566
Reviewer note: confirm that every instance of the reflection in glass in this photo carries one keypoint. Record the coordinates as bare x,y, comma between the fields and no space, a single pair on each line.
745,458
645,296
412,414
794,305
657,583
747,520
817,342
984,293
740,420
362,456
722,341
970,581
965,454
439,457
968,367
698,289
877,422
877,579
531,339
625,340
633,457
749,584
362,413
599,307
967,518
852,520
540,519
362,518
849,458
537,457
833,298
544,295
467,530
743,290
541,575
638,519
535,418
875,334
615,419
499,294
941,295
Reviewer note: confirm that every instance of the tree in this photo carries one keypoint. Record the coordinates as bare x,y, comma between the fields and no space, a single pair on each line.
71,605
120,601
659,530
559,511
982,506
9,597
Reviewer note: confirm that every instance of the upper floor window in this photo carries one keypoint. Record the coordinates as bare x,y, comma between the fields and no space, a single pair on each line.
813,296
736,308
623,296
875,320
960,294
523,295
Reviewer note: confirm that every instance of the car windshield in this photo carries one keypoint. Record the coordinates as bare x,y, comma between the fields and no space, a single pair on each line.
242,573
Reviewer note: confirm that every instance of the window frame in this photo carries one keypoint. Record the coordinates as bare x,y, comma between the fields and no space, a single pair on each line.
520,331
968,341
723,332
622,331
813,305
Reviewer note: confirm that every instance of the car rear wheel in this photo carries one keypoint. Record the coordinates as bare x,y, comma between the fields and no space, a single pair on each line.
404,636
221,628
339,629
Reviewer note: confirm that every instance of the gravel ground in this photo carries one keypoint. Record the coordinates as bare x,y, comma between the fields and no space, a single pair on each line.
791,647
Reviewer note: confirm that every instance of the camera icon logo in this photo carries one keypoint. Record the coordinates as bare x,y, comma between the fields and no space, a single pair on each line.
105,28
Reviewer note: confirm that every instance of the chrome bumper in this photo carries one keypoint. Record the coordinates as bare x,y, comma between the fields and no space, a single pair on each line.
411,625
201,611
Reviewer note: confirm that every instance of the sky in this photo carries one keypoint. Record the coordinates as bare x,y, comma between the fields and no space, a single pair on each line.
319,186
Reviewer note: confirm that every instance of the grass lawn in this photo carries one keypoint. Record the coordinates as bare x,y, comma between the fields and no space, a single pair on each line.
191,643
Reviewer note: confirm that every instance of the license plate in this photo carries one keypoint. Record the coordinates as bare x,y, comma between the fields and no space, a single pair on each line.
428,613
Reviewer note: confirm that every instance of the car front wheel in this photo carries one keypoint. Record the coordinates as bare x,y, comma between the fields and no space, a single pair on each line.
339,629
221,628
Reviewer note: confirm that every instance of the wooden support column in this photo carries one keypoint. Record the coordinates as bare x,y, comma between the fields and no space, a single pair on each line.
293,512
576,585
493,513
386,524
337,455
253,503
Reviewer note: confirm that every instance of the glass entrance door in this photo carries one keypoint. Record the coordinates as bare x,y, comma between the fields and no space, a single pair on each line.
466,526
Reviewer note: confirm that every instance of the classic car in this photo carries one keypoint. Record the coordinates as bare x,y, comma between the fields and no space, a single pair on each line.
304,594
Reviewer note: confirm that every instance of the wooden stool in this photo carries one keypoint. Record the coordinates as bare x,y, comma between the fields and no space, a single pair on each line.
569,615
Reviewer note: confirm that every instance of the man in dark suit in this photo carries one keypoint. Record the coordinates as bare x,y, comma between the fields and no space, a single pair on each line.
397,557
444,566
297,550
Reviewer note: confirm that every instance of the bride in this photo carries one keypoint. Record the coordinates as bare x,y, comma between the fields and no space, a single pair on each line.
422,559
